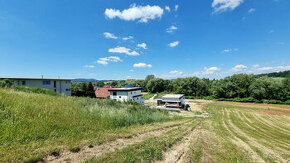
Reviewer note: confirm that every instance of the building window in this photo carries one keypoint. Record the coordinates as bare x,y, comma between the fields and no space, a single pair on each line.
67,89
114,93
23,83
54,84
46,82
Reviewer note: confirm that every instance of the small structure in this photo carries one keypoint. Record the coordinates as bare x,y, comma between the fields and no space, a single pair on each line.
62,86
127,94
171,101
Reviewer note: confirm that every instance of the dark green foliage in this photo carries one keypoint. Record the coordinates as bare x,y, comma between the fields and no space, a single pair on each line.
157,85
192,86
238,87
282,74
6,83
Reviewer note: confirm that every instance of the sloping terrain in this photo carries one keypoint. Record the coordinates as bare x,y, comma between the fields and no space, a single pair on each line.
104,131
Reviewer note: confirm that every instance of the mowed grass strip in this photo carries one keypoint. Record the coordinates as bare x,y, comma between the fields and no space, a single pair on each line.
34,125
266,139
149,149
214,141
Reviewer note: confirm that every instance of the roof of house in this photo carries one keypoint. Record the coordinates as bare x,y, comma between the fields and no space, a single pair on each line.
125,89
171,97
25,78
102,93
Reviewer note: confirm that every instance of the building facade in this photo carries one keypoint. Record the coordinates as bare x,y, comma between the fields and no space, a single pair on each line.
127,94
171,100
62,86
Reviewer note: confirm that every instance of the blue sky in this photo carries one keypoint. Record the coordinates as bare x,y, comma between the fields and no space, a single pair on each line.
106,39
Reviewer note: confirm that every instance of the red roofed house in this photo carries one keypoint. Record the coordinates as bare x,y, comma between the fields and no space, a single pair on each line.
102,93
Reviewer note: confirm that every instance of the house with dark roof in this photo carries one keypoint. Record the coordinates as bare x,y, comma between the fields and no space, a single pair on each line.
127,94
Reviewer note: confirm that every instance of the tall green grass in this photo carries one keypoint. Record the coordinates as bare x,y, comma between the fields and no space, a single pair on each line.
31,121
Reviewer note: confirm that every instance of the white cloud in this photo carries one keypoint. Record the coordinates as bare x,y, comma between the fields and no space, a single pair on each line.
110,35
89,66
142,65
229,50
173,44
175,72
141,13
239,68
128,38
252,10
271,31
226,50
256,66
167,8
142,45
176,7
131,70
106,60
211,70
225,5
124,50
171,29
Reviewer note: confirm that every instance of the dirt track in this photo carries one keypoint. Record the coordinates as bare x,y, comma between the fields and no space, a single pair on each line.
258,136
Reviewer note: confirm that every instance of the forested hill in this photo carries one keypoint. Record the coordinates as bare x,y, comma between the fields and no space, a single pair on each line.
277,74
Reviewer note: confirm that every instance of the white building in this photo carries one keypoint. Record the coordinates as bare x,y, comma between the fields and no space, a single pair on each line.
171,100
62,86
127,94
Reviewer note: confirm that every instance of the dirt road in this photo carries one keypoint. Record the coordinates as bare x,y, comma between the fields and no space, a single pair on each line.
233,132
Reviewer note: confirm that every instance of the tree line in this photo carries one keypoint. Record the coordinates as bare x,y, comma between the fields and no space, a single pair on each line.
238,87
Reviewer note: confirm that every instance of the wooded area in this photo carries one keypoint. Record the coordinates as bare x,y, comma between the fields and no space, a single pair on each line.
238,87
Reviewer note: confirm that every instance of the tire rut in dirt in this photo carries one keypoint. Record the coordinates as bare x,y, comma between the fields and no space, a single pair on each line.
177,152
86,152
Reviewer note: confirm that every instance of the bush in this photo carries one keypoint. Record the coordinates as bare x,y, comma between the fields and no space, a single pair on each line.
36,90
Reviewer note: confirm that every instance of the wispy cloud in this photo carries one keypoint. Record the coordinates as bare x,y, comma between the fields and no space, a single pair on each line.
229,50
106,60
271,31
167,8
128,38
110,35
171,29
173,44
141,13
124,50
89,66
142,45
211,70
176,7
239,68
142,65
251,10
225,5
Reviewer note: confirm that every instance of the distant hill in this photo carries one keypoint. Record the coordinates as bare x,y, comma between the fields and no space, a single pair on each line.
84,80
282,74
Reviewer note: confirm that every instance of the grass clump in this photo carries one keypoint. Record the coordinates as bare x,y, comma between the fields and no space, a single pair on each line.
33,122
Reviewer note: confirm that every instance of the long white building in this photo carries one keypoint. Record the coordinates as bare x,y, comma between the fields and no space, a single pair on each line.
62,86
127,94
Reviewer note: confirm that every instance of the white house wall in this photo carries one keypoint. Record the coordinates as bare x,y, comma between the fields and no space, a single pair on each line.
125,96
62,86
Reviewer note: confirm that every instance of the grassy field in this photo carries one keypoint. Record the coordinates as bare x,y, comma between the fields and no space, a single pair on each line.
34,125
65,129
243,132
